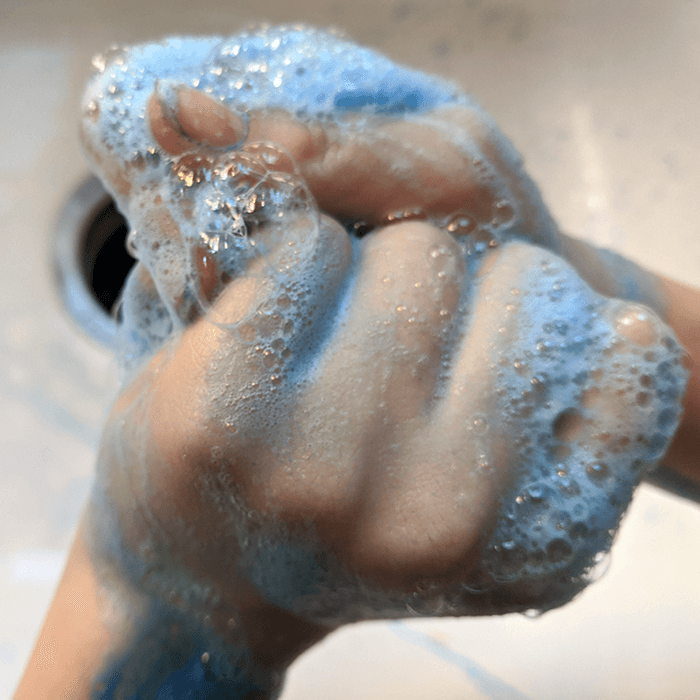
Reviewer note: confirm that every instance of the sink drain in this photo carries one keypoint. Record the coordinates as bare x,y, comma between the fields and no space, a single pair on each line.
91,260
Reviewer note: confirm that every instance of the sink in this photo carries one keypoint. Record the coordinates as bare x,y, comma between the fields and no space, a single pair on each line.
595,95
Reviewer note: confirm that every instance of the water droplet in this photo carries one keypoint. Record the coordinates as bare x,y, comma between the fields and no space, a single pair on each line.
92,110
222,222
535,493
558,550
600,567
635,324
205,658
479,583
646,381
130,243
503,214
99,62
520,367
247,332
415,214
597,470
461,225
480,425
272,157
269,359
567,425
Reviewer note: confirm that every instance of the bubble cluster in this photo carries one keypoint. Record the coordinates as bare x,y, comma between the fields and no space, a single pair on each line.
215,203
570,392
225,213
477,235
306,71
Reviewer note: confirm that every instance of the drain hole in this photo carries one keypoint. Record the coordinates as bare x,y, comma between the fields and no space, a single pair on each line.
105,261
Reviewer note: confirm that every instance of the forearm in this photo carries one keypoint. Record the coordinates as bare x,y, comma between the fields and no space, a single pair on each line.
683,315
81,631
103,638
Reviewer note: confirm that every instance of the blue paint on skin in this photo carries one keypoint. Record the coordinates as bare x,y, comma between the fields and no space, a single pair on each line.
176,658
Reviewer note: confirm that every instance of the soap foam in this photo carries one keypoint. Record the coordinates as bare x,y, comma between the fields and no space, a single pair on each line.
571,386
307,72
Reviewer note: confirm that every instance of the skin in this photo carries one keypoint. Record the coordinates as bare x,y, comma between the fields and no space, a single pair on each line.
374,386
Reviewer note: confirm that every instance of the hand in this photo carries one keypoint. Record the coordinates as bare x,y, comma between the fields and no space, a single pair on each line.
434,419
353,406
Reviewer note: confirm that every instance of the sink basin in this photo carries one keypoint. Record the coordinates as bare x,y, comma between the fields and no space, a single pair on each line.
595,95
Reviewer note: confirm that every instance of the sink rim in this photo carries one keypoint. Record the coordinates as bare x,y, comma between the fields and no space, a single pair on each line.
79,211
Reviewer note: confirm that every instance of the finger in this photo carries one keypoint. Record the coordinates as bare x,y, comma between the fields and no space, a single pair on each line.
466,437
248,348
433,521
302,141
519,202
376,380
117,176
373,171
157,238
146,322
560,421
430,515
182,118
352,171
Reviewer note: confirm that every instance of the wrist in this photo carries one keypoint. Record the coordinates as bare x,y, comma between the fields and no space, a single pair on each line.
103,638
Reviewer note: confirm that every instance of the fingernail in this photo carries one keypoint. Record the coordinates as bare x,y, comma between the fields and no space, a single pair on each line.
165,126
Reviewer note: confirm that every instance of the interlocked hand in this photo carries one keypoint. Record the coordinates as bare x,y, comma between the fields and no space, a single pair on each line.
338,421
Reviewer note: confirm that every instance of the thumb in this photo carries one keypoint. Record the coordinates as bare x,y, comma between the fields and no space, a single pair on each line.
181,119
259,333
